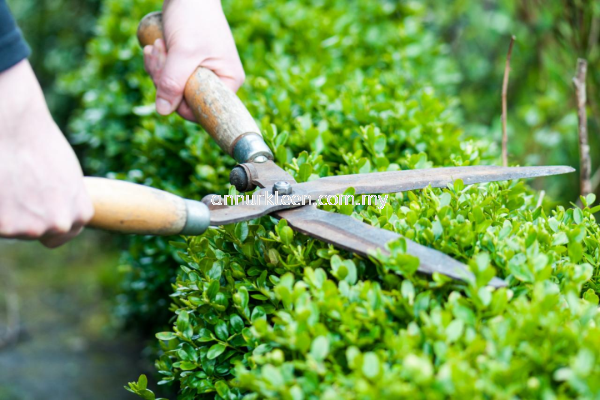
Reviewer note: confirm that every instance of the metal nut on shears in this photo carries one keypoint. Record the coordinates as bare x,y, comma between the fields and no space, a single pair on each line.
282,188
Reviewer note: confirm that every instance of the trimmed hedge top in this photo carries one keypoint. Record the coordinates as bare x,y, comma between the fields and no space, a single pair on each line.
263,312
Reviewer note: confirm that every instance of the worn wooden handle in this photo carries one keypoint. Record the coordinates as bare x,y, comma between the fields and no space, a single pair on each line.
131,208
214,105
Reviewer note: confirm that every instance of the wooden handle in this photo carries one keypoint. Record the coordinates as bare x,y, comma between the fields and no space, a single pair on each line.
214,105
130,208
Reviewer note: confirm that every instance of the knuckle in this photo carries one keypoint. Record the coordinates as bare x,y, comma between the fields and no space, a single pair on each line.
34,231
83,217
170,86
6,230
85,212
59,226
185,48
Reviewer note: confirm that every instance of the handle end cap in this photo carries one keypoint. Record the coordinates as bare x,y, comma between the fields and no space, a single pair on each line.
198,218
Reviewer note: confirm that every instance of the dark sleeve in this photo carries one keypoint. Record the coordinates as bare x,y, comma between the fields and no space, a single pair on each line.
13,47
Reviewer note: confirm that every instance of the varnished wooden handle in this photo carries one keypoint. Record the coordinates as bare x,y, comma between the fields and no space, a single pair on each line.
214,105
131,208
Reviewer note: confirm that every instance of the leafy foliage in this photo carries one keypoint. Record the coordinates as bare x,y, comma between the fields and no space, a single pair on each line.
260,311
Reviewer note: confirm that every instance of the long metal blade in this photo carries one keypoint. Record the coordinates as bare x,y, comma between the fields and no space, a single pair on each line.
401,181
378,183
350,234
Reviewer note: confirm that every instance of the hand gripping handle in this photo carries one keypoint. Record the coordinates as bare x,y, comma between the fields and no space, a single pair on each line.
214,105
131,208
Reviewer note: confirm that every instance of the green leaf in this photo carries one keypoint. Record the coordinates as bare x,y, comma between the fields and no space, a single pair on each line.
213,289
187,366
345,269
458,185
215,351
590,199
183,321
287,235
237,323
319,348
455,330
575,252
243,296
165,335
591,296
273,376
146,394
241,231
577,215
304,172
371,366
258,313
445,199
408,291
221,330
222,389
142,382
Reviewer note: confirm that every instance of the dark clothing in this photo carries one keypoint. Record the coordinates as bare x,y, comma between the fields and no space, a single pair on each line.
13,47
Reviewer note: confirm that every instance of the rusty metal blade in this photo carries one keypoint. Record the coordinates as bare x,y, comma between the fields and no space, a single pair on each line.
350,234
400,181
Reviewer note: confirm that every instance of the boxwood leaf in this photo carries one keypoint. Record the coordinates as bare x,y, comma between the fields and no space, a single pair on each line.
215,351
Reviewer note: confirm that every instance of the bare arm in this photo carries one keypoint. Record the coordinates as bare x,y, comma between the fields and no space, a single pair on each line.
42,193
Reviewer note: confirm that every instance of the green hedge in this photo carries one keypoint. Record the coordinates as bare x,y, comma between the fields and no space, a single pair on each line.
260,311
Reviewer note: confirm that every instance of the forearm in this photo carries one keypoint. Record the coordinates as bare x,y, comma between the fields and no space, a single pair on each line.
21,97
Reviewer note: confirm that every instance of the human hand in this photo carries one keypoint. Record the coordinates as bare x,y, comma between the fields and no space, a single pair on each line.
43,196
196,34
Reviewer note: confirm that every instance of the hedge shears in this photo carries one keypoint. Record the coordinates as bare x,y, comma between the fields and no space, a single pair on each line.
132,208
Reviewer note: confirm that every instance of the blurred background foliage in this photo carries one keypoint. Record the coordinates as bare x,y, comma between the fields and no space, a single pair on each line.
551,35
454,54
57,32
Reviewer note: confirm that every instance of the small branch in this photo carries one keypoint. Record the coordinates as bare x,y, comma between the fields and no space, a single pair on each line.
584,148
540,199
504,111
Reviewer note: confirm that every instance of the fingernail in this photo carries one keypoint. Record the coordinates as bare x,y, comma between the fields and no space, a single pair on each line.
163,106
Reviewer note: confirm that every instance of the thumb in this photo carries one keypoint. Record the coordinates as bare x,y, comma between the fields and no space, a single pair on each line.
171,84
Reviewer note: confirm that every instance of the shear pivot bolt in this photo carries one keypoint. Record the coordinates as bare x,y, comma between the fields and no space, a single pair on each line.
260,159
239,178
282,187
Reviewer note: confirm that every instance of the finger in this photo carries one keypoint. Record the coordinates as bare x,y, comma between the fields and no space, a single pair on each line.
159,52
175,74
186,112
230,72
85,210
148,59
55,240
232,83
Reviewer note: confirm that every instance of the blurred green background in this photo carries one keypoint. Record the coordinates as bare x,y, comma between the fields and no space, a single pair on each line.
72,313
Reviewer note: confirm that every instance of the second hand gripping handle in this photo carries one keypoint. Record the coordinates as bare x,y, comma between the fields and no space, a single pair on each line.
214,105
